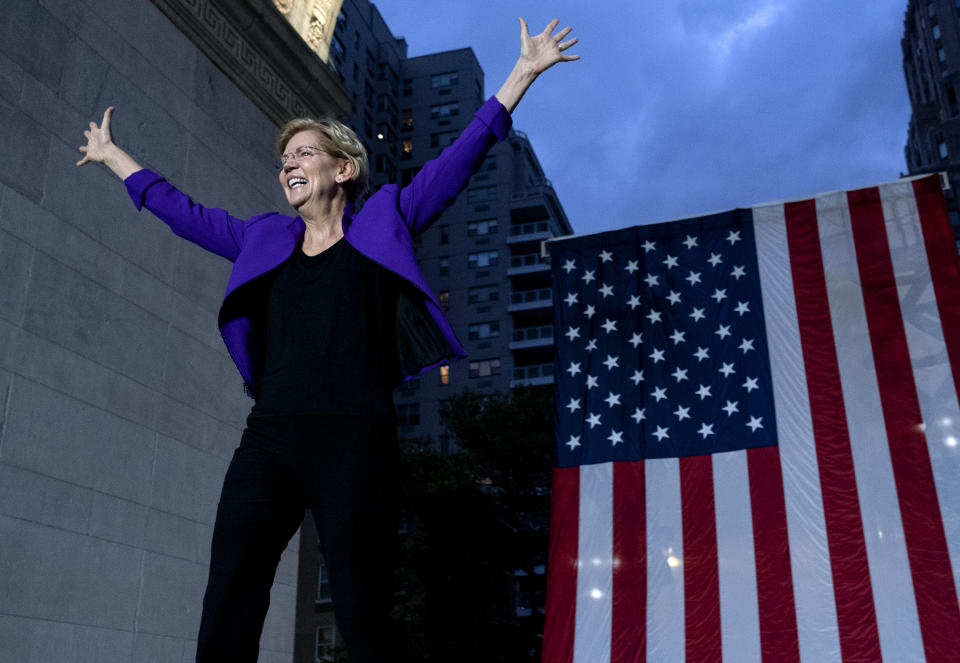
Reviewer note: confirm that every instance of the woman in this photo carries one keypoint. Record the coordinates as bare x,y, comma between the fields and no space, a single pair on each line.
324,314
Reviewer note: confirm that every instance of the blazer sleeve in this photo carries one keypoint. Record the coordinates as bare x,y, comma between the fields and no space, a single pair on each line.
210,228
437,184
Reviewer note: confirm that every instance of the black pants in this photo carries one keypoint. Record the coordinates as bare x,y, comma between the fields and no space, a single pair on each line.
343,468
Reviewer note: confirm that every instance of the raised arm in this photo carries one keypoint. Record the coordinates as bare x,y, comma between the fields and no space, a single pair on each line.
537,54
100,148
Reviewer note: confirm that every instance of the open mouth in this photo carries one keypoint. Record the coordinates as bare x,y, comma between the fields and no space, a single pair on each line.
296,182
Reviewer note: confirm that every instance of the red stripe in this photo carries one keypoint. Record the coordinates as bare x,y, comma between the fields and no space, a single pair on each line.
923,531
701,579
853,594
944,265
778,616
629,628
561,605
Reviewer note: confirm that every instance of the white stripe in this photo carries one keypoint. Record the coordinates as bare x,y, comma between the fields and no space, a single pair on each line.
739,614
809,557
665,622
928,355
594,565
883,531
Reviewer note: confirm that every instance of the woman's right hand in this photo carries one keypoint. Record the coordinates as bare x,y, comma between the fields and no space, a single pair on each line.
99,140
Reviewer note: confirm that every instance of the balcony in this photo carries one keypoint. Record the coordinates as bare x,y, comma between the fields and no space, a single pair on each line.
524,300
532,337
531,376
527,263
533,231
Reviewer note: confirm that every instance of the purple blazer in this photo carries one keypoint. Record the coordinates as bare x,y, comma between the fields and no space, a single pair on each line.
383,231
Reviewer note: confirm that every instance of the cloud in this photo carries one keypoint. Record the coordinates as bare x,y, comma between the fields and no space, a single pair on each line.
711,26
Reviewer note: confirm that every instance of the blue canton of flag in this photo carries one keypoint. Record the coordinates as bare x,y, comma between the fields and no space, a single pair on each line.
660,342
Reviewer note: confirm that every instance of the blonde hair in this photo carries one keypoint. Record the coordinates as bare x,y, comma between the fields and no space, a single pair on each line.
339,141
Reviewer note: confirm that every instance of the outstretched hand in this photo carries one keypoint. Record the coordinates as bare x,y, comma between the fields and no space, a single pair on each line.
542,51
99,140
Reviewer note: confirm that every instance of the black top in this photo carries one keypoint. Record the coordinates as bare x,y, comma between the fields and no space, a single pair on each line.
330,336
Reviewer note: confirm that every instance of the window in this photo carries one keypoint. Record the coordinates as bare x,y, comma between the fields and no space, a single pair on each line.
443,138
483,293
444,266
371,63
446,79
484,368
943,149
445,374
445,234
406,119
385,103
407,149
323,584
936,31
481,194
407,87
480,330
444,299
941,55
326,641
484,227
336,47
482,259
385,72
445,110
408,414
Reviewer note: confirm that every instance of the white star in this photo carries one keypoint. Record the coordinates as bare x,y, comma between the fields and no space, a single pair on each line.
571,298
574,441
591,382
636,339
697,314
653,316
694,277
674,297
747,345
637,377
733,237
742,307
631,266
606,290
588,276
591,344
680,374
719,294
572,333
609,325
574,368
651,280
661,433
690,241
648,246
723,332
701,354
615,437
634,302
573,405
678,337
682,413
611,361
659,393
593,420
730,408
670,261
714,259
605,256
639,415
751,384
657,356
754,424
590,310
569,266
703,391
706,429
612,399
727,369
738,272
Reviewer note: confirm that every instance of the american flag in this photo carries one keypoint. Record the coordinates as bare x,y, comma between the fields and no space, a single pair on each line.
757,431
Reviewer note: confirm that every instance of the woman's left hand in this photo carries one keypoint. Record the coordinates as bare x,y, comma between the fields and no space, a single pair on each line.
542,51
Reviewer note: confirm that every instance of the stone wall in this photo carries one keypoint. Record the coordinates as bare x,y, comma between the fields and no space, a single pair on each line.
120,406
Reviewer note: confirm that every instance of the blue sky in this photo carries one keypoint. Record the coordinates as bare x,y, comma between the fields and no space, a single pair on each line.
683,107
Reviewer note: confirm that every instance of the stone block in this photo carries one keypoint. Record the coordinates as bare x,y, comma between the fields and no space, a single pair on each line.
61,576
279,625
186,481
33,38
84,317
149,648
101,645
172,596
16,258
64,438
41,104
11,78
195,374
289,561
37,498
26,146
83,76
68,12
200,276
119,520
175,536
34,640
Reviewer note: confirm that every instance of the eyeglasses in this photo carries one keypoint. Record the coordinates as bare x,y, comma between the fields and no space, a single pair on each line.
302,152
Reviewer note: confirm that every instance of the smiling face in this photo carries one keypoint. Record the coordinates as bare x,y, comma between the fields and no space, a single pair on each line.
311,178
